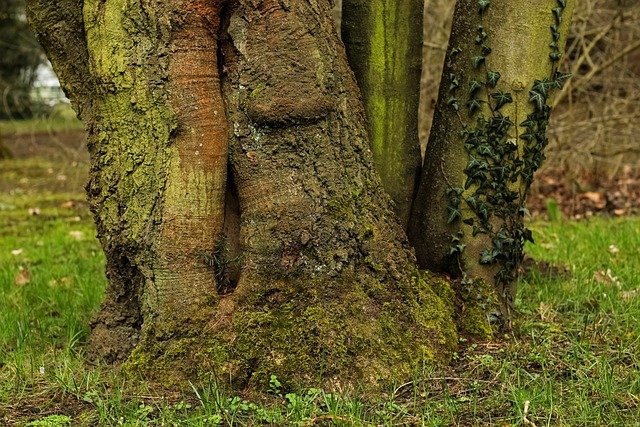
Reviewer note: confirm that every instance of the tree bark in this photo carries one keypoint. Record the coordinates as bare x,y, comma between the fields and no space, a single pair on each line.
383,39
487,140
295,265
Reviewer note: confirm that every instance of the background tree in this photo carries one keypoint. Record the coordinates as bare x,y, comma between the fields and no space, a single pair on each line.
383,39
20,57
245,228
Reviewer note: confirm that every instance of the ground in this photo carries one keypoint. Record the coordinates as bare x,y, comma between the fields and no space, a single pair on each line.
572,357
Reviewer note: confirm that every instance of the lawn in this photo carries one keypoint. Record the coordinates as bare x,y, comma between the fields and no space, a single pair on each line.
571,359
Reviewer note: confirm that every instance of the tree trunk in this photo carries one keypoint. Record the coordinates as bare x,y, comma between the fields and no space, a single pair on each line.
295,265
383,39
486,142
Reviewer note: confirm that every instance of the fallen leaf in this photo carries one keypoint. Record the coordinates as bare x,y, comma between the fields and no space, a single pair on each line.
613,249
23,277
34,211
606,278
627,295
67,205
16,252
78,235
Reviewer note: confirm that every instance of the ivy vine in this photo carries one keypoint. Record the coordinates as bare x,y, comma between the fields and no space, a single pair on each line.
498,172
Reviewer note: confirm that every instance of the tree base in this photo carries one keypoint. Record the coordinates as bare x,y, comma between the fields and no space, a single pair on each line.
363,338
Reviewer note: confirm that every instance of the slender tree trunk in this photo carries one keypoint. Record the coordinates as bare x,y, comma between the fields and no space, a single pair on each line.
384,46
486,142
297,265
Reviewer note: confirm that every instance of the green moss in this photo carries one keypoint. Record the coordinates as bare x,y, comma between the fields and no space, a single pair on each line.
479,305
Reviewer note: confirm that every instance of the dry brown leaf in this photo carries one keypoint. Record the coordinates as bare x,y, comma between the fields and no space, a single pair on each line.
606,278
23,277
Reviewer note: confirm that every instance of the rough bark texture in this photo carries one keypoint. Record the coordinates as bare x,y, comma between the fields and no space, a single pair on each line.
310,277
384,46
486,141
158,144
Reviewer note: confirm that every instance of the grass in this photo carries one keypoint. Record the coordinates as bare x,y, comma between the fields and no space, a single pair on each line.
60,118
572,358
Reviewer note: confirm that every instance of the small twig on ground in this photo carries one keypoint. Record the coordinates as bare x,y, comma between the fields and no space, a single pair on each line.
525,420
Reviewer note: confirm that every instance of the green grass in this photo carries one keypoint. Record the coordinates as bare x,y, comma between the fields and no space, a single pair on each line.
60,118
572,359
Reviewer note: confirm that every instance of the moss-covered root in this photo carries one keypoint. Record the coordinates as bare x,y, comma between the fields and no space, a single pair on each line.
366,337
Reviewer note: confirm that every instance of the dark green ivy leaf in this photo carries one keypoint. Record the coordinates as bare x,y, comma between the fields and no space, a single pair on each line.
492,78
555,56
474,85
488,256
485,50
454,214
529,137
477,60
557,13
456,50
538,99
559,79
473,104
501,98
562,3
484,4
453,101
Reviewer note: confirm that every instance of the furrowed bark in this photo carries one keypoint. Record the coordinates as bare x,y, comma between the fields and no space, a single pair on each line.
486,141
59,27
383,39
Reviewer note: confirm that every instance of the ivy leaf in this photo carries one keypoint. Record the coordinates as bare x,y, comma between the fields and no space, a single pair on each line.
557,13
454,214
559,79
473,104
484,4
538,99
488,256
456,50
453,102
542,86
492,78
501,98
528,136
555,56
527,236
529,123
455,83
485,50
501,123
469,221
474,85
477,61
562,3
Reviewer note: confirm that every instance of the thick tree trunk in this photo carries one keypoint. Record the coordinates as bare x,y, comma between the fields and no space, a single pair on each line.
384,45
298,267
486,142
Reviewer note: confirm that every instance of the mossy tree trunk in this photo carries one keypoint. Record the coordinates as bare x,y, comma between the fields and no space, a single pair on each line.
486,142
383,39
291,264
